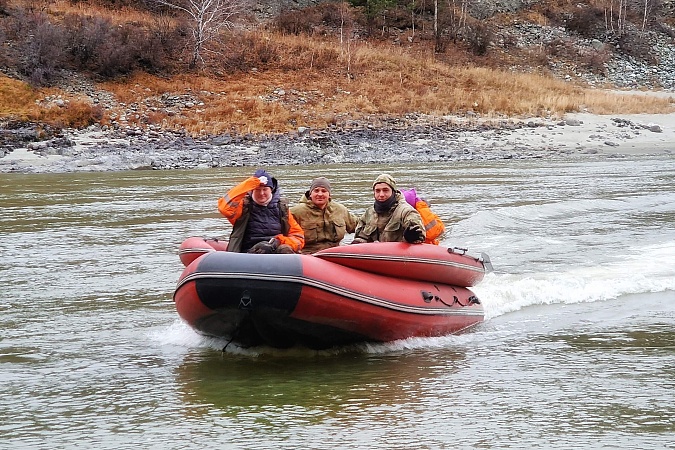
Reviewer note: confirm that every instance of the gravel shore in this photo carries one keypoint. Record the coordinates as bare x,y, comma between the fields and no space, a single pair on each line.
422,140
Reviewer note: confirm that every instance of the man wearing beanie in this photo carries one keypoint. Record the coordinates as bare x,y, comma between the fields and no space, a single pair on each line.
324,221
391,218
260,217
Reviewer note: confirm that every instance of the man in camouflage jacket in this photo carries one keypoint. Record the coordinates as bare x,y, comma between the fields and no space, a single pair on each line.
324,221
391,218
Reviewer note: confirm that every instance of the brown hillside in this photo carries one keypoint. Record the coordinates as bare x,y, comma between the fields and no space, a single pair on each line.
325,66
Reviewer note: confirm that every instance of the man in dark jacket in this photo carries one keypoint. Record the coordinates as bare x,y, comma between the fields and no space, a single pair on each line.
260,217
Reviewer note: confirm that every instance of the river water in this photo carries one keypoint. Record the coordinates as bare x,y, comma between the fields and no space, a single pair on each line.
577,350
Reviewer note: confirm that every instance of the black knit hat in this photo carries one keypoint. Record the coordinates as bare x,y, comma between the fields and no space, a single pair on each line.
271,181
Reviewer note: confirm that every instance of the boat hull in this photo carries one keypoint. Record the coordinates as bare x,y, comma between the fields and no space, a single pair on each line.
286,300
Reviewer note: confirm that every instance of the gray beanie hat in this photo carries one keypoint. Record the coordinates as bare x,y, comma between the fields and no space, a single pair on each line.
385,178
320,182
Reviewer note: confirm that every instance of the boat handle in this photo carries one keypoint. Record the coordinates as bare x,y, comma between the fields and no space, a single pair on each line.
458,250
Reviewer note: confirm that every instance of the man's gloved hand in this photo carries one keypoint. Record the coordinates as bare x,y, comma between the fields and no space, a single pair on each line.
263,180
284,249
265,247
413,235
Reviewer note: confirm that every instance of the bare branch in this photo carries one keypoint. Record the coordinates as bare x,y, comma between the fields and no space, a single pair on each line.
208,19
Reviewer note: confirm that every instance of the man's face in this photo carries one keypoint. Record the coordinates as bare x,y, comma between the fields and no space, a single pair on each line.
382,192
320,196
262,194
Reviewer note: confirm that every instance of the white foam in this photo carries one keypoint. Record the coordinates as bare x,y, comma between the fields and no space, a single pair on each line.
649,269
178,333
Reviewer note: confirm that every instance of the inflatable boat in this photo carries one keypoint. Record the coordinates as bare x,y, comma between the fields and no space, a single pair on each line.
375,292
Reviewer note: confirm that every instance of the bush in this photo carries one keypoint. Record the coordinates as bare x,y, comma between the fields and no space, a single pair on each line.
248,51
297,22
86,35
478,37
99,46
335,14
315,19
595,61
637,45
588,22
41,50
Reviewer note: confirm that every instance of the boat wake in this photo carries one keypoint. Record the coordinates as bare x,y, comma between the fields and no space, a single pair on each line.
180,335
647,270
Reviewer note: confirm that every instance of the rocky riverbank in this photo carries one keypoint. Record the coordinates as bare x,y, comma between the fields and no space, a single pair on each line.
30,148
415,139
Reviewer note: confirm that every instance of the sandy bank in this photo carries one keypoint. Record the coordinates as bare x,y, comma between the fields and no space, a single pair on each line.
631,134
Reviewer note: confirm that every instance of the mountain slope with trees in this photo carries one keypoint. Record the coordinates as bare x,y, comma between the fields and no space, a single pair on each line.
229,66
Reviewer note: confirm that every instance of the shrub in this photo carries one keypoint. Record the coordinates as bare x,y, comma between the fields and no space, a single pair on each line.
249,50
637,45
587,21
595,61
96,44
297,22
85,37
41,50
335,14
478,37
311,19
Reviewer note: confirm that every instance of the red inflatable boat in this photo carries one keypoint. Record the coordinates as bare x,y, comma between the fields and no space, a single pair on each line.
194,247
335,297
417,262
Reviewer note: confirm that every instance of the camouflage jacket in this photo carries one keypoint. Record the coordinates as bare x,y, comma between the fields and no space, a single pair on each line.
389,226
324,228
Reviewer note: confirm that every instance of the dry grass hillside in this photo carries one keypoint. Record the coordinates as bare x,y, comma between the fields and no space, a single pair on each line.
273,81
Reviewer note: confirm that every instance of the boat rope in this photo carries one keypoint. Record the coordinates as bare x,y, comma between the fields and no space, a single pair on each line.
234,336
407,259
428,297
235,333
473,300
229,342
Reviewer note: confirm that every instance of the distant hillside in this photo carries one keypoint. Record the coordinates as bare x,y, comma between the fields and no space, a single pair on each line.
113,38
285,64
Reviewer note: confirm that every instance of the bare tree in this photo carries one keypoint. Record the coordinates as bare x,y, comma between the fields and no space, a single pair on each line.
650,7
208,18
437,36
346,28
615,21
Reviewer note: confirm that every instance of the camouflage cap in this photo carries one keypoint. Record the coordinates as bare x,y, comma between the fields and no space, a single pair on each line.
385,178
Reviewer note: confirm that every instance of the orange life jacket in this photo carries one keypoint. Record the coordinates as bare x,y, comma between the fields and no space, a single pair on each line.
432,223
